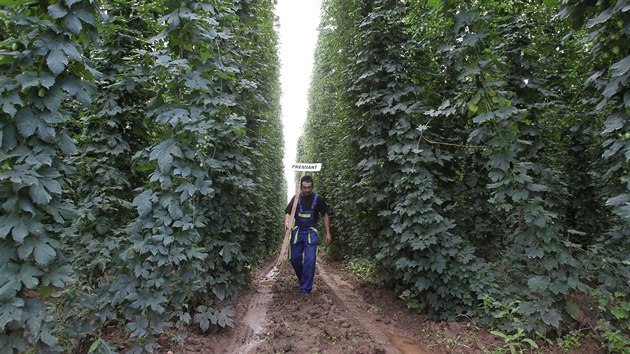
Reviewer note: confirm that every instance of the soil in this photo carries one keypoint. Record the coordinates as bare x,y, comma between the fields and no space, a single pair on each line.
340,315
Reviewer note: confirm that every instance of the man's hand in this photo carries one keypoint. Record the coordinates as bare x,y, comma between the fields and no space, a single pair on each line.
287,222
327,228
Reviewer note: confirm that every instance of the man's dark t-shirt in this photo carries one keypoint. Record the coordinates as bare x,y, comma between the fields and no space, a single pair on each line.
320,208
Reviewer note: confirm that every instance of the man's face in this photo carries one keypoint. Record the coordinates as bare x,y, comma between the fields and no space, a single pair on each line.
307,188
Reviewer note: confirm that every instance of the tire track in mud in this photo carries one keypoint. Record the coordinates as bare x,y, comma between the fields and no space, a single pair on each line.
367,316
256,316
332,319
354,304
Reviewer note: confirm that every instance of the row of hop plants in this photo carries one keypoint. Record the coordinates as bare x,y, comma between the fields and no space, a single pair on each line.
139,141
479,151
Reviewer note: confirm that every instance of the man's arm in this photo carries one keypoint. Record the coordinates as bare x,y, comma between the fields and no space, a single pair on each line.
287,222
287,215
327,228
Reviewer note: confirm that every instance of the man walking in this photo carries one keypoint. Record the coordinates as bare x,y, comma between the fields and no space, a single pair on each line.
305,233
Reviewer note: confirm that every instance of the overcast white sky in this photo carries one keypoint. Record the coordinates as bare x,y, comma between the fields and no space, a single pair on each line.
298,36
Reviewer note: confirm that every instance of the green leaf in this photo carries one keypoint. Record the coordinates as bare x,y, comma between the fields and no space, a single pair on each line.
39,195
66,144
143,203
164,153
10,312
613,87
70,49
422,283
10,283
58,276
14,2
204,317
7,222
138,327
86,16
35,315
436,4
73,23
614,122
77,89
7,255
28,123
621,67
530,342
45,291
464,18
9,137
500,160
471,39
47,338
538,283
44,253
224,317
537,187
219,292
100,346
52,186
174,117
498,334
228,251
618,200
34,79
527,308
20,231
29,276
8,103
69,3
603,17
552,318
573,310
56,61
483,117
619,313
57,11
559,287
535,252
194,80
574,283
175,211
519,195
552,3
145,300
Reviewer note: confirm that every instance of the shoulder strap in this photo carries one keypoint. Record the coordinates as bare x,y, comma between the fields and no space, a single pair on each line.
314,201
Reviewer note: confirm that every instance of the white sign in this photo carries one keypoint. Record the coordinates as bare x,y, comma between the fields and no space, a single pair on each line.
306,167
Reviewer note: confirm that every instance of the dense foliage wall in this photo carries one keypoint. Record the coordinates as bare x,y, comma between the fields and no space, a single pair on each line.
478,151
141,144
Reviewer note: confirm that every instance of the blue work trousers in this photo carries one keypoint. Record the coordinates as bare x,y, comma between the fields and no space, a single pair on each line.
303,255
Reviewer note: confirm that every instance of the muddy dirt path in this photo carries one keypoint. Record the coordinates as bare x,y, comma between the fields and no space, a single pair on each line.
334,318
341,315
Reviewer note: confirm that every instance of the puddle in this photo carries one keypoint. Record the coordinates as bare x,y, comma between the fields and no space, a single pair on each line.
271,275
270,278
345,286
353,296
267,282
405,345
256,316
